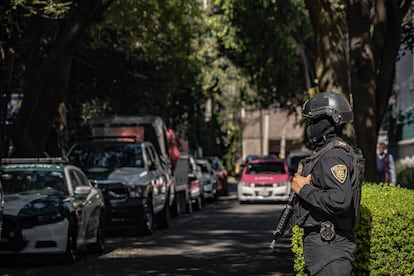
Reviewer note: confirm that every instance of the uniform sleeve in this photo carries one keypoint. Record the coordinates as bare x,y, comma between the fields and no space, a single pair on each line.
330,190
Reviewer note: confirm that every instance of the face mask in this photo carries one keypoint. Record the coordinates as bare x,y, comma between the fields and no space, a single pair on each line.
318,130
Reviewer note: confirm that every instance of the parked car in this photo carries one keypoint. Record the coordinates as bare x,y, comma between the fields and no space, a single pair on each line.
183,199
221,173
132,179
151,129
50,207
195,182
209,179
264,180
294,157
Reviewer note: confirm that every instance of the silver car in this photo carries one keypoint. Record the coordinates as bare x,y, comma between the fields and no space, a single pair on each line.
209,179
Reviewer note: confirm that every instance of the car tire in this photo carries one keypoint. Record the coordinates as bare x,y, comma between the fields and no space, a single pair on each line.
99,245
71,252
188,203
164,217
146,225
198,205
176,206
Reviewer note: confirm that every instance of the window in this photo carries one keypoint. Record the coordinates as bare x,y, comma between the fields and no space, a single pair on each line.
266,168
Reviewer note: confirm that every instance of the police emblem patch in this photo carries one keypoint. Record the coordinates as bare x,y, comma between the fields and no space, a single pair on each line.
339,172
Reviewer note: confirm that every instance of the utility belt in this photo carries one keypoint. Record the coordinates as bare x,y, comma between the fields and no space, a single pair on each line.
327,230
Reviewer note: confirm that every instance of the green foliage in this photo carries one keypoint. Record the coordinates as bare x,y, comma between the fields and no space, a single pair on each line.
297,248
152,43
267,50
385,234
195,68
54,9
405,175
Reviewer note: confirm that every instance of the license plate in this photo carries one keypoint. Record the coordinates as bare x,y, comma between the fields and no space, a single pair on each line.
263,192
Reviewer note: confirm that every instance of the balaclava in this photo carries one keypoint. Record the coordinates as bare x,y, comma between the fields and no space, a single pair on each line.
319,131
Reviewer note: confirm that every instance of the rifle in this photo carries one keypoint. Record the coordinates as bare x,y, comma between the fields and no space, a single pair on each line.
283,220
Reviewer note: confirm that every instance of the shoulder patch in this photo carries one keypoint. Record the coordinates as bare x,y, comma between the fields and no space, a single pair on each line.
340,172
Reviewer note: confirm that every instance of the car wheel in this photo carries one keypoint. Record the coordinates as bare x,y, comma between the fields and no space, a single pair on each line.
198,205
71,254
99,245
176,206
188,204
146,225
163,218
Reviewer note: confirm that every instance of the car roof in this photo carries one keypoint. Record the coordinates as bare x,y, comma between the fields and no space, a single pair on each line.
46,164
299,153
202,160
267,160
93,143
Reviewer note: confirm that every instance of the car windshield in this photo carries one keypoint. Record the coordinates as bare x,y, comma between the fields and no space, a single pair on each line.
107,155
204,167
26,182
266,168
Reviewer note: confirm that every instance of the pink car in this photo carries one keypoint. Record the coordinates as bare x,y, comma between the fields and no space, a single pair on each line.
265,179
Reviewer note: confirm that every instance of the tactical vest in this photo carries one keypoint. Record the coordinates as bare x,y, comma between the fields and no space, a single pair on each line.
303,209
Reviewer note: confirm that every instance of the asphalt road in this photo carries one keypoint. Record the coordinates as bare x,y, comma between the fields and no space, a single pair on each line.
225,238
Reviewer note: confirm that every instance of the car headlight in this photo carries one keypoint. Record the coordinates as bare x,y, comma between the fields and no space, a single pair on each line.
246,184
281,184
137,191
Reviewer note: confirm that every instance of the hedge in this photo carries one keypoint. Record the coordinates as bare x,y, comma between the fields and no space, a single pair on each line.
385,233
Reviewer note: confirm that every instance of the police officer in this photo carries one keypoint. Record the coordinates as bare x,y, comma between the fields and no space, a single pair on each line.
325,193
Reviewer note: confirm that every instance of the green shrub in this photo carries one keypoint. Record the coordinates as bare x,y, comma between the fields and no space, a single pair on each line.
385,233
405,175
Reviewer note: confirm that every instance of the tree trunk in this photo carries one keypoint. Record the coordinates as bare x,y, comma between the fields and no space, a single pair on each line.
363,85
331,64
372,69
46,86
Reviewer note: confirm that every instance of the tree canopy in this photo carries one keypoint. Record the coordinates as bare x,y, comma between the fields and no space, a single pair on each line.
194,64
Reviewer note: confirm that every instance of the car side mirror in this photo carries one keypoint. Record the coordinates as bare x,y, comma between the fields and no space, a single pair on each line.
82,191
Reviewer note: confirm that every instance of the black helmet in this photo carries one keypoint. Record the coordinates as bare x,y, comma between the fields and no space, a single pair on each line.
329,104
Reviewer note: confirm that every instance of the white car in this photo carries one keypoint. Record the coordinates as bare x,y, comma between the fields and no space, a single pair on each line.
50,208
131,178
264,179
209,179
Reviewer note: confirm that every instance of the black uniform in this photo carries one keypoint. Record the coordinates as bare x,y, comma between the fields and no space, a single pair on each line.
328,200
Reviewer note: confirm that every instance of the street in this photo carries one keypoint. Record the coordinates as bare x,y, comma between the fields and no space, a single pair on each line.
225,238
